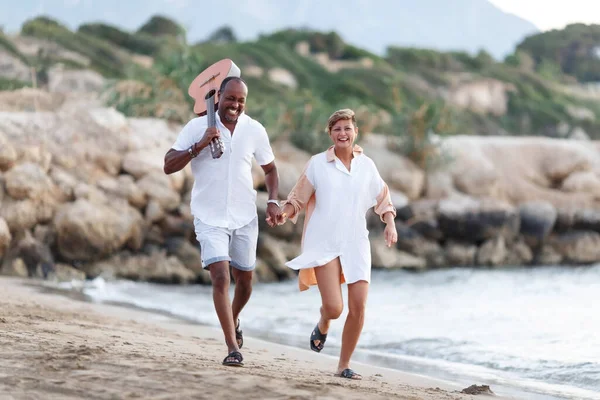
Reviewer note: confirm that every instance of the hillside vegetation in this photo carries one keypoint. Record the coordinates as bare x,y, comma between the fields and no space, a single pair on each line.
574,50
298,77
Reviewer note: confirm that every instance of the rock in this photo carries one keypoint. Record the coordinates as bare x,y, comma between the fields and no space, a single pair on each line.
36,255
412,242
30,100
65,183
65,273
8,155
109,118
547,255
288,177
154,212
124,187
264,273
38,155
62,80
19,215
172,225
492,252
270,250
16,267
482,96
577,219
477,390
153,134
579,134
537,220
579,247
45,234
91,193
440,185
156,186
519,254
582,182
460,254
138,163
587,219
386,257
283,77
399,199
429,229
189,255
33,47
156,268
423,209
12,68
516,169
89,231
28,181
475,221
5,237
398,172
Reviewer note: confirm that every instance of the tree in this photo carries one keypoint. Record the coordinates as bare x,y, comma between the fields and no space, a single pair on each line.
224,34
163,26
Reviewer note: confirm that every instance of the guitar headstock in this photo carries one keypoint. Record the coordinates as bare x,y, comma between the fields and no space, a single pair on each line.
211,79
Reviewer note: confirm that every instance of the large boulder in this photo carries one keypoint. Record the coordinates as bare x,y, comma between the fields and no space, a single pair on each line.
477,220
29,181
519,169
91,231
537,221
397,171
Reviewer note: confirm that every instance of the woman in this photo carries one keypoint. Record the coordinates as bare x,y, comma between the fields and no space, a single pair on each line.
336,189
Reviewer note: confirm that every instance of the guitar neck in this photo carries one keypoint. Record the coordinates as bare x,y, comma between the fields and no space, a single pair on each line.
210,109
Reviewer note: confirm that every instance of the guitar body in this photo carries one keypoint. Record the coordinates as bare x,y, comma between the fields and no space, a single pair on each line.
204,90
210,80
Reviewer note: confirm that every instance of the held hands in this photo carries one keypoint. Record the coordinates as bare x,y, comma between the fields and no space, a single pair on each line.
273,213
279,217
390,234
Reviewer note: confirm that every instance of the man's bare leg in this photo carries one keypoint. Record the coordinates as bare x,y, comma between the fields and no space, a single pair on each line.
243,291
219,274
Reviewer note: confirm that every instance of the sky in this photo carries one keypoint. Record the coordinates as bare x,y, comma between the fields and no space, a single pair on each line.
552,14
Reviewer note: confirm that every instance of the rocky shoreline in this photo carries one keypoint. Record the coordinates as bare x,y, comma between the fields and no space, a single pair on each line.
83,194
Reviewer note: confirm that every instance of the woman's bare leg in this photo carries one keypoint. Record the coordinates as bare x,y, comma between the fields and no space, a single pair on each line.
328,280
357,301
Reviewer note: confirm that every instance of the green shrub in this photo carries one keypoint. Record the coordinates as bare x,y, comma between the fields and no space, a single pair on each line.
104,58
162,26
12,84
137,43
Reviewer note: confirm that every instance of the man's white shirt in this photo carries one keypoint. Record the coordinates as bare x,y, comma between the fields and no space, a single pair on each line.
223,194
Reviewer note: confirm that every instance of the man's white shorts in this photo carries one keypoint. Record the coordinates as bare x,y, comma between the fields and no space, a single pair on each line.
238,246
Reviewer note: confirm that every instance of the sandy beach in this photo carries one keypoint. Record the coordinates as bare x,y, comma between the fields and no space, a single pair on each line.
55,347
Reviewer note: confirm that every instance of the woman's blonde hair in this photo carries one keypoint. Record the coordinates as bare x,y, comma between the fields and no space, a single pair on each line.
344,113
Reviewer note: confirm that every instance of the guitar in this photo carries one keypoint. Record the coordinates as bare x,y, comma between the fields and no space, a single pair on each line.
204,90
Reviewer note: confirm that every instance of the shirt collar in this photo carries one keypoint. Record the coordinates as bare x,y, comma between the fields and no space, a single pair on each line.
357,151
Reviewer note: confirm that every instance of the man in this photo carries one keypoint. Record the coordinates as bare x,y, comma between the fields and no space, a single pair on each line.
224,200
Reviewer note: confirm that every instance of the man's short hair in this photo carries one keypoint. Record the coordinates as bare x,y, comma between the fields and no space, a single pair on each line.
229,79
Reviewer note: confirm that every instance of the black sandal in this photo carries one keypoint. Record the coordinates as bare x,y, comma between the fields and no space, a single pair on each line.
239,335
349,374
237,359
317,335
